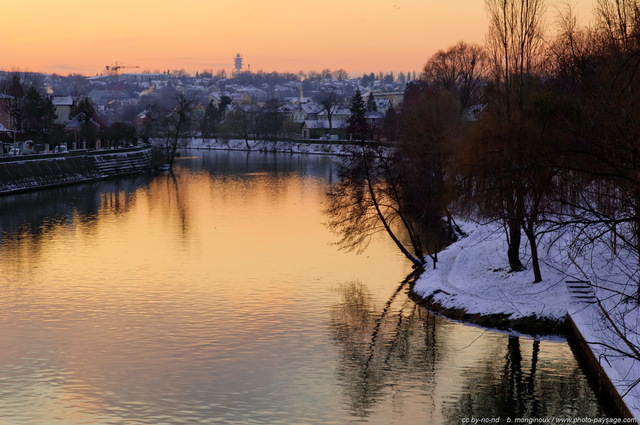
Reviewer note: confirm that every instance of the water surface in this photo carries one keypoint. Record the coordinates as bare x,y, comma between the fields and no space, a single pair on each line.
215,296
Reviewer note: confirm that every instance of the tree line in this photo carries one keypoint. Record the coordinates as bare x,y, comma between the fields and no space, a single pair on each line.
33,117
540,134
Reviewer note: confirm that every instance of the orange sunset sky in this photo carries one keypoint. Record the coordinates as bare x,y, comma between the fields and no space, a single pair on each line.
84,36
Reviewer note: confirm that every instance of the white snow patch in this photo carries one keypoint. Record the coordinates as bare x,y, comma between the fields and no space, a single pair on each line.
268,146
608,348
473,274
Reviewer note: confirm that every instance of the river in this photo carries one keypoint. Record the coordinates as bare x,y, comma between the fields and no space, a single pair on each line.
216,296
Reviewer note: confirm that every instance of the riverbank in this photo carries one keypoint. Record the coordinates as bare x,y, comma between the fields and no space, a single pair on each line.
35,172
472,283
295,147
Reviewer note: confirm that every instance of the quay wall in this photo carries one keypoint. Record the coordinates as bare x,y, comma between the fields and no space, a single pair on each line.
600,378
19,174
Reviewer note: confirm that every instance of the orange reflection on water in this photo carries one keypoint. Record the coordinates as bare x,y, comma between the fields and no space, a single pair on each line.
173,286
204,294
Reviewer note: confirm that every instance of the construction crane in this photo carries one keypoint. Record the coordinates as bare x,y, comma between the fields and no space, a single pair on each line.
116,67
115,70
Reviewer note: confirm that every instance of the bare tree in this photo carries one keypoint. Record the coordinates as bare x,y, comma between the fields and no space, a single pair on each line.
430,131
461,69
329,101
240,123
367,200
514,43
619,22
178,125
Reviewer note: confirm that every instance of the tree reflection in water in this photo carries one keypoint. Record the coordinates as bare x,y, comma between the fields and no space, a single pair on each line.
525,387
378,347
396,347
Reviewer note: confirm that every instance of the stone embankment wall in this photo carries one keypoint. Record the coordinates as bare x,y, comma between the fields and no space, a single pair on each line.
18,174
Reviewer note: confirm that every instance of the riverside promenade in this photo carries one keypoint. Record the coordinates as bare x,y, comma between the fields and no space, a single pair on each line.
33,172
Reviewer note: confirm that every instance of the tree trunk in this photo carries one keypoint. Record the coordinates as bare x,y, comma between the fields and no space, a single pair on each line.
419,262
531,380
535,262
513,241
173,151
418,259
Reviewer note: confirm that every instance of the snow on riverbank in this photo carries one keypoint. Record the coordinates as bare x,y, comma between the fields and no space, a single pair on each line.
472,276
264,146
472,282
610,350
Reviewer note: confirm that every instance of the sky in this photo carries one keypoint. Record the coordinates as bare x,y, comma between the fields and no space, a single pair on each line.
80,36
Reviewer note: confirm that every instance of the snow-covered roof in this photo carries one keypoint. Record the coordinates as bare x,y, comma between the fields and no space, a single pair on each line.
471,114
337,112
76,122
324,124
372,115
311,108
62,100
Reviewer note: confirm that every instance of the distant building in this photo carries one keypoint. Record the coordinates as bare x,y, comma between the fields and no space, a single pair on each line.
339,115
238,63
374,118
471,114
389,99
320,129
5,120
63,105
143,77
306,111
103,97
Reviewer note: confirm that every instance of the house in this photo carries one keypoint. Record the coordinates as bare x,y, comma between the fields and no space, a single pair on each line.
240,98
75,125
5,118
242,108
63,106
382,104
471,114
320,129
306,111
216,97
339,115
393,98
375,119
249,95
287,110
76,122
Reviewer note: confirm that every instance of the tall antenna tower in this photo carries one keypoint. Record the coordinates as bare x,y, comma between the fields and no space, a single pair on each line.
238,64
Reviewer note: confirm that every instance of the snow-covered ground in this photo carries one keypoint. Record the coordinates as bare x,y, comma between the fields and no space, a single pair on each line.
612,350
472,275
258,145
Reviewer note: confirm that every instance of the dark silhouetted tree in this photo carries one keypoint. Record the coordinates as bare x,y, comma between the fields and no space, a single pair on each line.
462,69
371,103
357,124
178,127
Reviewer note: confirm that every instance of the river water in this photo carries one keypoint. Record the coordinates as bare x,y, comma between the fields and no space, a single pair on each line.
215,296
